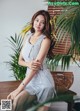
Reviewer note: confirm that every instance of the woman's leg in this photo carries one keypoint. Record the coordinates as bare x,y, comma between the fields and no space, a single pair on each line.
22,101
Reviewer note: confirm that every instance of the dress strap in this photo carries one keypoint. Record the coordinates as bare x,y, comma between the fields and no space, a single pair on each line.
41,38
26,38
29,35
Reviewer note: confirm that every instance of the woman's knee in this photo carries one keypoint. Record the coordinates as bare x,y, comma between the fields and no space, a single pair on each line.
22,101
19,100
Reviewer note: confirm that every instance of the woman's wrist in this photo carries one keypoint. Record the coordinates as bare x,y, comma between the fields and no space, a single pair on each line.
21,87
28,64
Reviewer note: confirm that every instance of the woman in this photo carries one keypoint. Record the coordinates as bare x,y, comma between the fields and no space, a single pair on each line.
38,81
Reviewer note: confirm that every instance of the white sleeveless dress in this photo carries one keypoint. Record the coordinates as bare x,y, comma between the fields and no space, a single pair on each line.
42,84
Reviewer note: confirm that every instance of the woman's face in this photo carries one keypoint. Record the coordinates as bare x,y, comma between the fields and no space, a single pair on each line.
39,23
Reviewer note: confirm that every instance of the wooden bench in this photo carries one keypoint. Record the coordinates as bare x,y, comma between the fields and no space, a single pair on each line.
8,86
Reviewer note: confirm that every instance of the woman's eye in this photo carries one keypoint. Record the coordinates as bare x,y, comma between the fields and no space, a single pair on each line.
42,22
37,20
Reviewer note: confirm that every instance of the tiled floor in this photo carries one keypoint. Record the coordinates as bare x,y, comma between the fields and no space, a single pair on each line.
58,106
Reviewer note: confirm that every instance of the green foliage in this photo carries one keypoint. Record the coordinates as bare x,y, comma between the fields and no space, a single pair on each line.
63,60
69,22
67,25
66,97
16,45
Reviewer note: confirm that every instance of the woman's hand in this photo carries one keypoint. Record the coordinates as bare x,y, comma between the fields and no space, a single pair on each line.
13,94
34,65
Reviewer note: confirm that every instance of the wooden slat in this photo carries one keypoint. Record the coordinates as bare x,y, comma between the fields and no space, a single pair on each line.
55,10
61,47
6,87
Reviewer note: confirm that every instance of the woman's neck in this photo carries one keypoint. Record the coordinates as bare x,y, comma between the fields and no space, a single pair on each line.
36,34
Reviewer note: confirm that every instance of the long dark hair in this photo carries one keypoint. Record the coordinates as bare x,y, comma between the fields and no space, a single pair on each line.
47,27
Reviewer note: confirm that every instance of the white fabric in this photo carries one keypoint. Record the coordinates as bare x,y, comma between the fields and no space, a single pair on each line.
42,84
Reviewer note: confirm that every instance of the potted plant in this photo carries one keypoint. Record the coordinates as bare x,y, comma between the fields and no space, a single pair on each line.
16,45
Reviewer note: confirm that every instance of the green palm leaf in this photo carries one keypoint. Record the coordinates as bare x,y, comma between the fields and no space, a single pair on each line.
16,45
70,22
68,25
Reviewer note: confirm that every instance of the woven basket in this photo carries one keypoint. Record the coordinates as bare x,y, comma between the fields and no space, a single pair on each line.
63,80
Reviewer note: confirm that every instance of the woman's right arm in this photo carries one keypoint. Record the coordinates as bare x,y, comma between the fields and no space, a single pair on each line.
22,62
34,65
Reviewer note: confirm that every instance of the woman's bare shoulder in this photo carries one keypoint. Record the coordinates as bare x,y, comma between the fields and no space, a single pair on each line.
46,40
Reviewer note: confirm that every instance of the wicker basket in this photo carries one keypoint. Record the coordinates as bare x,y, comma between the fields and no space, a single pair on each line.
63,80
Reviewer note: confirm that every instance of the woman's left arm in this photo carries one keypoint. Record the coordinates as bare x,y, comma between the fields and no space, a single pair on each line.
44,49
